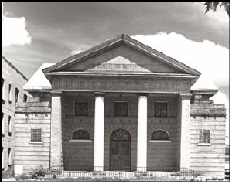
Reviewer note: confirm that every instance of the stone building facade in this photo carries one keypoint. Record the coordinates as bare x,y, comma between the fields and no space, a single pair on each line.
12,93
120,106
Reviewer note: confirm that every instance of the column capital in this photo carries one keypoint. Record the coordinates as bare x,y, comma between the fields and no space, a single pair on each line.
56,93
99,94
185,96
142,94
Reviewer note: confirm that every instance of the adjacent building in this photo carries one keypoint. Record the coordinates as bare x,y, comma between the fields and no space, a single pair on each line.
12,93
120,106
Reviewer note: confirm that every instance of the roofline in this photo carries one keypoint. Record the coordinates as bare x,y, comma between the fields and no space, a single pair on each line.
162,55
180,75
126,39
12,66
100,46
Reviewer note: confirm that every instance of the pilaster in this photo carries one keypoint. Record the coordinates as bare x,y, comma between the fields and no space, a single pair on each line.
185,131
56,130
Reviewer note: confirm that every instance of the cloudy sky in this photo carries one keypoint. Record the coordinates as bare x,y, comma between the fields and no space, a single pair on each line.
48,32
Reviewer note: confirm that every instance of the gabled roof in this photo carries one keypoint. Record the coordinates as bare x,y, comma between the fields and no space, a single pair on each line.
129,41
13,67
38,81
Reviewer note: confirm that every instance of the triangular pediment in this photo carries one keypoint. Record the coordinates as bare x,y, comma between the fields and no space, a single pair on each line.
118,65
121,55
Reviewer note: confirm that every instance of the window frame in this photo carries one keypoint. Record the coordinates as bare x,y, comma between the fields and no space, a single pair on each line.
3,157
9,157
32,137
10,93
127,102
78,130
16,94
167,107
75,102
25,98
202,138
3,124
162,130
9,126
80,139
3,90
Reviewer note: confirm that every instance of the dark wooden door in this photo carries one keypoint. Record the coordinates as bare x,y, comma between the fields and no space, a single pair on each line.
120,156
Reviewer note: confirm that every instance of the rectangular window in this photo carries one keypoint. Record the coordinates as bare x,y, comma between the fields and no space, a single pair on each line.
16,95
9,94
3,157
204,136
3,125
9,125
3,91
24,98
9,157
161,109
81,108
121,109
36,135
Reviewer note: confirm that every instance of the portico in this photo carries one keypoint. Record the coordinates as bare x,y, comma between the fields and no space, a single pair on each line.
101,127
120,97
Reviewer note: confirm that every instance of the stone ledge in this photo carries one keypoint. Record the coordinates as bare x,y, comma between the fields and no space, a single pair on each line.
207,115
72,140
163,141
35,143
204,144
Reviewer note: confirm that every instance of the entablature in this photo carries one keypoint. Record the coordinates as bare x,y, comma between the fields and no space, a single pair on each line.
126,84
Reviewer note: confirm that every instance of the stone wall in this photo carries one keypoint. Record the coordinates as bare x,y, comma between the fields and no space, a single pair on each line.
162,154
12,76
159,153
32,115
208,159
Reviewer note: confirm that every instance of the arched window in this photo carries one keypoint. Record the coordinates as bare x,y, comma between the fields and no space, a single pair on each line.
160,135
81,134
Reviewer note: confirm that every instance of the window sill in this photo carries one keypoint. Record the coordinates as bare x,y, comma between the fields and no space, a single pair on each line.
204,144
35,143
72,140
163,141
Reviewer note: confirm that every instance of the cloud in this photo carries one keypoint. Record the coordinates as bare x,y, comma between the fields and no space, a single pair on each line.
75,49
210,59
14,31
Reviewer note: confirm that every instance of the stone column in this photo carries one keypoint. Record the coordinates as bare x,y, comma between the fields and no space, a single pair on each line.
99,132
185,131
142,133
56,130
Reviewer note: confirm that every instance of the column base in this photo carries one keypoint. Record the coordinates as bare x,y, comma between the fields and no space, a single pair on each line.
98,168
141,169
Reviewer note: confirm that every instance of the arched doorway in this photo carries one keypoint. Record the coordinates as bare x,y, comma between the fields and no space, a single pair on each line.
120,150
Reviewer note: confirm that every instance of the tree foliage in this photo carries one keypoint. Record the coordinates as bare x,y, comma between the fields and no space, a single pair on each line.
213,6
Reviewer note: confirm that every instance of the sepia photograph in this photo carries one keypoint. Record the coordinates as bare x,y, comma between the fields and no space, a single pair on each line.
115,91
